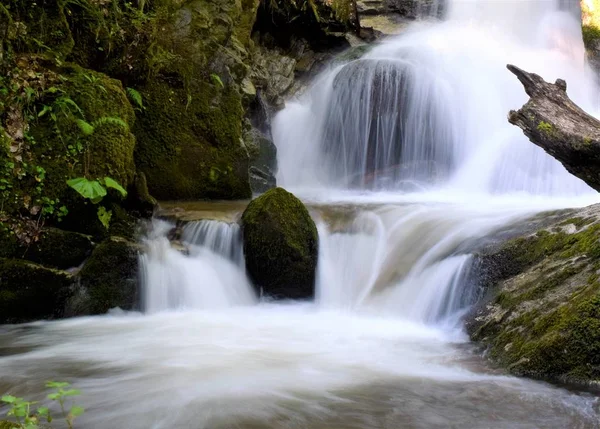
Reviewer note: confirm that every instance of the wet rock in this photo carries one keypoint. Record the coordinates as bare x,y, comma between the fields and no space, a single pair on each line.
263,161
540,316
280,245
59,249
109,279
31,292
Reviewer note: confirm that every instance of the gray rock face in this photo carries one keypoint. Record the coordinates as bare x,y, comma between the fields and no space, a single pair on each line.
263,161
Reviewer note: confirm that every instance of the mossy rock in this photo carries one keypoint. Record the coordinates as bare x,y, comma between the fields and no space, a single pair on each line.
108,279
59,249
31,292
280,245
76,123
191,149
543,316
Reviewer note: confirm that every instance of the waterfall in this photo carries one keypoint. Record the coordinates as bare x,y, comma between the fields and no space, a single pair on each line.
211,275
427,109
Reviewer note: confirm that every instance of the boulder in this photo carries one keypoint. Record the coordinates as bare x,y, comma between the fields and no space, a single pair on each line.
59,249
31,292
109,279
280,245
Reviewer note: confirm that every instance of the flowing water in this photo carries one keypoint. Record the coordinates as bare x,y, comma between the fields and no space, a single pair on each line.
406,161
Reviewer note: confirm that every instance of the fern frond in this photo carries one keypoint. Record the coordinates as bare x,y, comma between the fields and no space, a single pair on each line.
86,128
136,97
109,120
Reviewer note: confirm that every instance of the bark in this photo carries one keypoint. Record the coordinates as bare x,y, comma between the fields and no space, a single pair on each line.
553,122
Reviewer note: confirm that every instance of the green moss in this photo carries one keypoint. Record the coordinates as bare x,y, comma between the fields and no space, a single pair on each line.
280,244
109,278
591,35
550,323
59,249
6,424
191,149
546,128
31,292
579,222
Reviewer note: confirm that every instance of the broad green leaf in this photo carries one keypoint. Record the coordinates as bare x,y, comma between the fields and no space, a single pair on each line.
77,411
54,396
104,217
112,183
9,399
90,189
42,411
86,128
75,392
57,384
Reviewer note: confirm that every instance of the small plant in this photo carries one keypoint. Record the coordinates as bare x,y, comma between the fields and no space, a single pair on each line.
217,80
95,191
27,416
136,97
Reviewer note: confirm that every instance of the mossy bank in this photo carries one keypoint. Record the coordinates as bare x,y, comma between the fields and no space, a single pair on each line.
541,317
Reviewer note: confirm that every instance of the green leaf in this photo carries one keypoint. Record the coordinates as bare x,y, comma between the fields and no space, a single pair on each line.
9,399
90,189
108,120
86,128
77,411
45,110
217,80
104,217
57,384
136,97
42,411
54,396
75,392
113,184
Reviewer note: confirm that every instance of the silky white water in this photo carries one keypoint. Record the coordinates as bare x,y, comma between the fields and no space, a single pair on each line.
407,162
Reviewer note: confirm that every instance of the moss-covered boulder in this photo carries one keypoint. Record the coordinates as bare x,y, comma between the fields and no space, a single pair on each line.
31,292
192,149
108,279
542,317
190,133
280,245
59,249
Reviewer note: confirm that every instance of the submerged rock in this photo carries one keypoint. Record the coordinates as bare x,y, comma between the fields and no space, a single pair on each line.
541,317
31,292
280,245
108,279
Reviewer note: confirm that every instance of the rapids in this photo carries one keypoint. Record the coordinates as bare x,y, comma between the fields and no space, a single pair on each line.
406,162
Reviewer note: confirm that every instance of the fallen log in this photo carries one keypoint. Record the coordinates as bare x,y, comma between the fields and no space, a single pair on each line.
553,122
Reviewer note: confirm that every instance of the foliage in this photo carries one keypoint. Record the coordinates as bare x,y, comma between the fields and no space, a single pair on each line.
29,417
217,80
95,191
136,97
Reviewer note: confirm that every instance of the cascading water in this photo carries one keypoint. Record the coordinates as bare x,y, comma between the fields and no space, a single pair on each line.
430,107
413,138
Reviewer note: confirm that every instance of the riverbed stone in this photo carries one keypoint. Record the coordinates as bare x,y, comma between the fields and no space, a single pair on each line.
280,245
30,291
109,279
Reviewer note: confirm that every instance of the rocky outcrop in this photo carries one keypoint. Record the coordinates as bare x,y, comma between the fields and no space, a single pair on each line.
31,292
541,314
109,279
280,245
392,16
557,125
